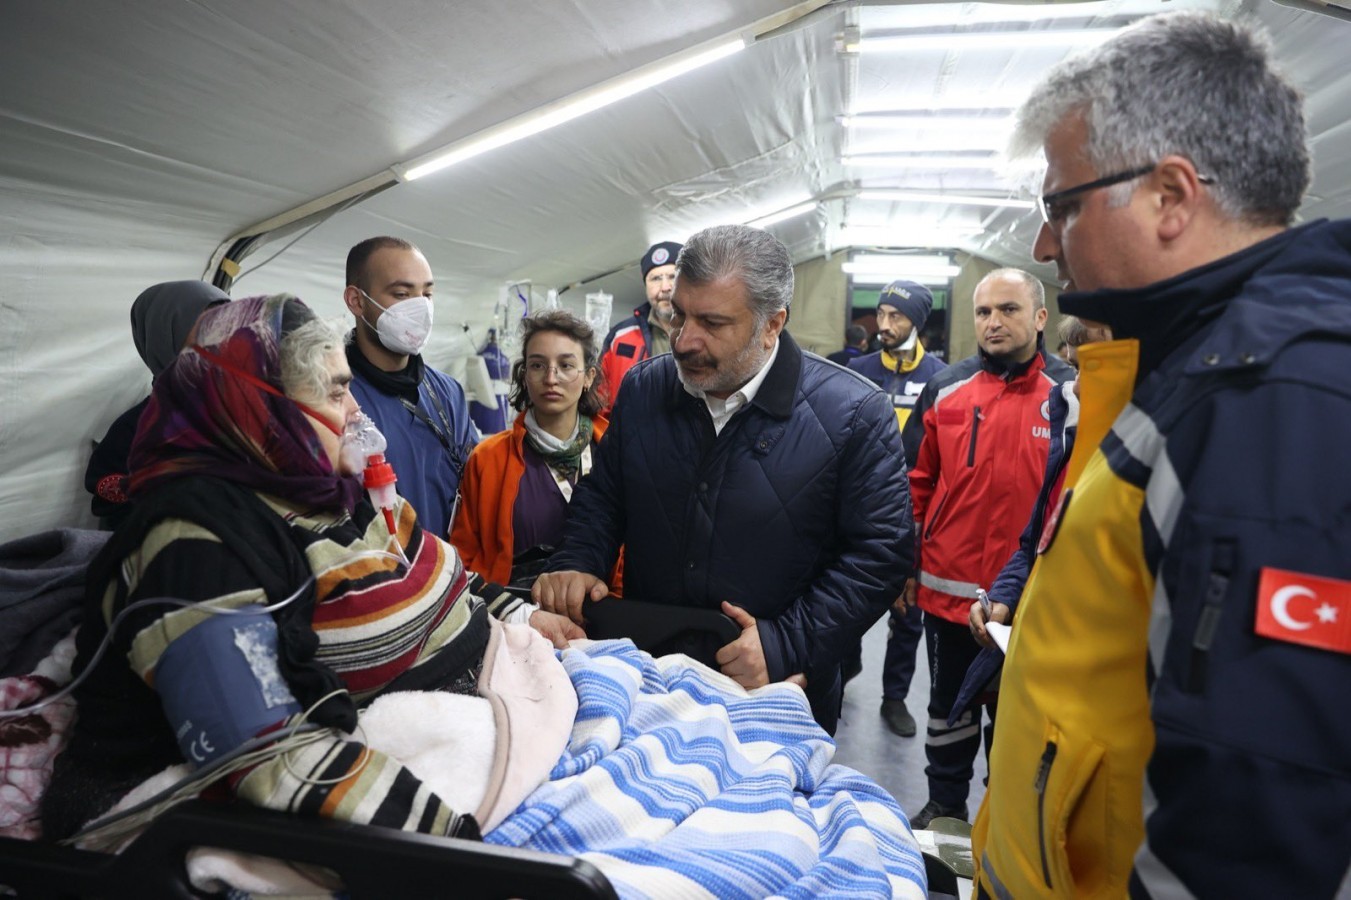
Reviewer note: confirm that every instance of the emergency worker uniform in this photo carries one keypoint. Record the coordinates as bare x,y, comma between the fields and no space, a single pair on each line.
1171,697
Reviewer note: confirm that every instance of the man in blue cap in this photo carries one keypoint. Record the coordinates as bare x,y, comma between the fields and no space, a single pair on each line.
901,368
647,332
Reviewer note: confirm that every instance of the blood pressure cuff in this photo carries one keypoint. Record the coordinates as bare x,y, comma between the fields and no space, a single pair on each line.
220,685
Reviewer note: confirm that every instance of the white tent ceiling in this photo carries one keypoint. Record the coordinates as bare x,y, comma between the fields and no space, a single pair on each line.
138,137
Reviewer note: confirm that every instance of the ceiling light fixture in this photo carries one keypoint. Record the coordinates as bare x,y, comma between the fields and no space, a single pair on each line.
911,236
931,279
922,142
882,268
871,263
782,215
903,161
567,109
901,196
987,101
920,121
980,40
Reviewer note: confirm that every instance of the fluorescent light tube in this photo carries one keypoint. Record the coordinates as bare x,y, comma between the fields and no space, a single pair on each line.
902,161
981,40
783,214
889,264
930,143
565,110
899,196
905,235
986,100
918,121
879,278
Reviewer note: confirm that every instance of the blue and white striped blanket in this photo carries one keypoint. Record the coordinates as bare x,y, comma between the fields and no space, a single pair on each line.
677,782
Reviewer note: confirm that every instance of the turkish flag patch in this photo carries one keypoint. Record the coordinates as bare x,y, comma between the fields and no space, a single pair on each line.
1304,609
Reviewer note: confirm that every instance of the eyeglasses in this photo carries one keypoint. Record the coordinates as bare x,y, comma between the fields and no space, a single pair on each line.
1054,208
567,372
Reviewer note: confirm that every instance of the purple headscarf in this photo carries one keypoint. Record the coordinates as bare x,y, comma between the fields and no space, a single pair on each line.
210,417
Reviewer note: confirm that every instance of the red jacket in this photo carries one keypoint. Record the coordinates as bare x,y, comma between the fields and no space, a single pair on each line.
482,531
627,344
982,451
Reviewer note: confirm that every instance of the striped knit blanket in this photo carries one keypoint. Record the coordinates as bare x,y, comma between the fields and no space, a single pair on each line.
679,783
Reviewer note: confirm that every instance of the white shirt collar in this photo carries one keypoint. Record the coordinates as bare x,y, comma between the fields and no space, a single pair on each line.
723,410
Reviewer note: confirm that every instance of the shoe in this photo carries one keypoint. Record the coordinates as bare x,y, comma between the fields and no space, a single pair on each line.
933,811
898,718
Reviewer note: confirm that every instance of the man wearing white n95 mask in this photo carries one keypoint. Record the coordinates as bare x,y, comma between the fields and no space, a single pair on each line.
422,412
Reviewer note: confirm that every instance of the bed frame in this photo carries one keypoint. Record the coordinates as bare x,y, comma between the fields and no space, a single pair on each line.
371,861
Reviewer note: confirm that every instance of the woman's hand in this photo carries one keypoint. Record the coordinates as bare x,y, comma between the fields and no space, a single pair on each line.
558,629
999,612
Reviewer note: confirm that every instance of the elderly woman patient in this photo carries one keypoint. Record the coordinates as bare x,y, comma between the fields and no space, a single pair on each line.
244,496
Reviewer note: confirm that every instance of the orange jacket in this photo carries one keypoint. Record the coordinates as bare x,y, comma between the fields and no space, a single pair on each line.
482,531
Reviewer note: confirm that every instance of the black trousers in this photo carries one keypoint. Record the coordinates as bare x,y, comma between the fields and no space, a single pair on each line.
951,751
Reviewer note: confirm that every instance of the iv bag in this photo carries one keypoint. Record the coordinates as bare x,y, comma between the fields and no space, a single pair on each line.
598,307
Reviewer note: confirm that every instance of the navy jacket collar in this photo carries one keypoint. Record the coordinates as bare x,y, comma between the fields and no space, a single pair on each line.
779,388
1165,315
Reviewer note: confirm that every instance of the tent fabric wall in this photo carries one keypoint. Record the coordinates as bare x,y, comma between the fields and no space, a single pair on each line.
138,137
819,315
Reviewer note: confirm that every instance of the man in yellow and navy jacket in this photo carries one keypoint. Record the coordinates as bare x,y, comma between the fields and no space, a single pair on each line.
1170,720
901,369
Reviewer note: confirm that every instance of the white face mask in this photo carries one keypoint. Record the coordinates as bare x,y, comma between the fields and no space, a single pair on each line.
405,326
910,341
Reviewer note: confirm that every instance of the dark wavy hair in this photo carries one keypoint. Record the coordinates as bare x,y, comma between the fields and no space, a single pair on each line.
571,326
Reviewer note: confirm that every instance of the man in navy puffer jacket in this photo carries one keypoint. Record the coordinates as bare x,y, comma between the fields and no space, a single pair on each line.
742,474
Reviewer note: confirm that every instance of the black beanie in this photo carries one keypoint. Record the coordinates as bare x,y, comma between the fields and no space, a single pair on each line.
663,254
909,299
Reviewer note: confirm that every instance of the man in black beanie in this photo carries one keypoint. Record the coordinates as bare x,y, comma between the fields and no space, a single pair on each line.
901,368
647,333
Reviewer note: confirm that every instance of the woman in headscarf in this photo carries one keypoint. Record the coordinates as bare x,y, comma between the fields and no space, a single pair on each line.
161,320
516,487
245,496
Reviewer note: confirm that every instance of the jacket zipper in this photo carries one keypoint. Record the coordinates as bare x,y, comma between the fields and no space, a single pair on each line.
1208,622
933,520
1044,773
975,424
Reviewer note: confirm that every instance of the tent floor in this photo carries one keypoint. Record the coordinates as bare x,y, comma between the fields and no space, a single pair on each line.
865,744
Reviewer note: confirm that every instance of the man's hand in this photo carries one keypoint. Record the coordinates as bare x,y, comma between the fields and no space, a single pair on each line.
999,612
743,660
558,629
565,592
906,601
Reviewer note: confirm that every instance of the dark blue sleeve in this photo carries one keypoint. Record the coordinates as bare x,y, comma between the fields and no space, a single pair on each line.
874,556
1008,586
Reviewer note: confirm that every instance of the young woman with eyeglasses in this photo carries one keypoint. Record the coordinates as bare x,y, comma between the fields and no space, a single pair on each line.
517,484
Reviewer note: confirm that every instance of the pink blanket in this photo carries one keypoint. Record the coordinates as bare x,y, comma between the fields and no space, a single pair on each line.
30,743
